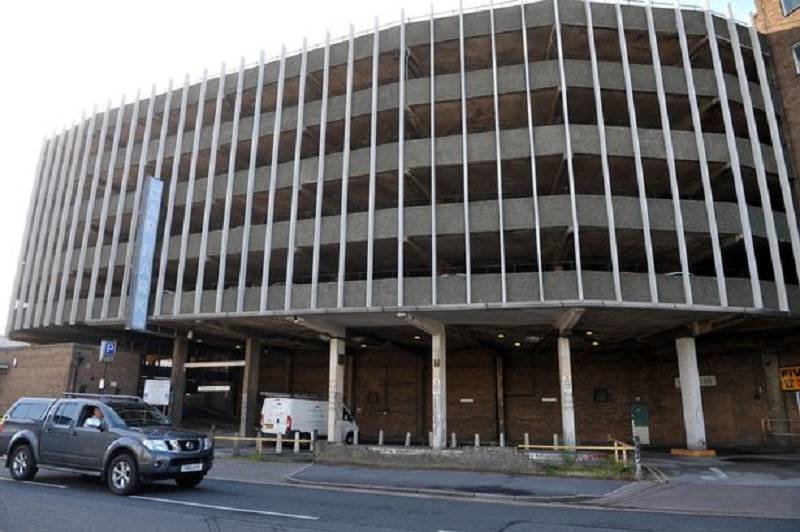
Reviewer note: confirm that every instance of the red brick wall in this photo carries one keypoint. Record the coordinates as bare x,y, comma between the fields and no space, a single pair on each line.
391,392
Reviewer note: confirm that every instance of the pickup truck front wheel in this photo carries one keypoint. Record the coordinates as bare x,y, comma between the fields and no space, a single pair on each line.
23,465
123,475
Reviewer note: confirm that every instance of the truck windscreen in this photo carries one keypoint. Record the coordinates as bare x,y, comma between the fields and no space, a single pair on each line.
140,415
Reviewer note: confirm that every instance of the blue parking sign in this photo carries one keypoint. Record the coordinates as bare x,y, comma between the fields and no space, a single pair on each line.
108,349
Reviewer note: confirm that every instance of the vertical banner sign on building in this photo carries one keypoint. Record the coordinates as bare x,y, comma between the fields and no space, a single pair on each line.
144,252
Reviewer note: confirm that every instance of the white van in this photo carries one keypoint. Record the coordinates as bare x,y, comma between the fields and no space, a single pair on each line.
287,415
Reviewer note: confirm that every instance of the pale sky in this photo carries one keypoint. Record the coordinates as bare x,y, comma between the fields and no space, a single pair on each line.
60,58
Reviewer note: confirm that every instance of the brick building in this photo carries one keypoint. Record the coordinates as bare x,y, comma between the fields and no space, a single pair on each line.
52,369
779,21
529,218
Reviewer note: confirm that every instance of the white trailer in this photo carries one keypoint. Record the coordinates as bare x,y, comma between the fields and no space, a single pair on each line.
287,415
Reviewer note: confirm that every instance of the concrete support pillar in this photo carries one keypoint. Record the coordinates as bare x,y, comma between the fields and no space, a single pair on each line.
180,352
439,388
690,394
567,403
249,411
335,389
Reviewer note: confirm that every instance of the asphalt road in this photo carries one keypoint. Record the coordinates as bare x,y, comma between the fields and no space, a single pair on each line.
72,503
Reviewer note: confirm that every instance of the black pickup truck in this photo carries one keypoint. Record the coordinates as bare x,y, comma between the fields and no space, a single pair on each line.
121,439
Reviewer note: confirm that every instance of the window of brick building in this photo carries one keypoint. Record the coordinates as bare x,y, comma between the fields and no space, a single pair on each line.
789,5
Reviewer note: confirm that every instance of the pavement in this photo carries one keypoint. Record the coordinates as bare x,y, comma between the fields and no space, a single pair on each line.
70,503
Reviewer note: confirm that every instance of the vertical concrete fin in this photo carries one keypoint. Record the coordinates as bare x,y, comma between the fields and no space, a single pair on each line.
758,161
637,157
708,194
273,182
323,123
733,154
189,199
226,217
15,301
298,143
345,174
532,149
499,160
173,186
251,173
137,199
75,220
209,199
670,156
568,152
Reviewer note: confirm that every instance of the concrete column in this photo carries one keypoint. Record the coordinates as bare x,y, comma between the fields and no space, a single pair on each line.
567,403
180,352
690,394
439,388
335,389
252,362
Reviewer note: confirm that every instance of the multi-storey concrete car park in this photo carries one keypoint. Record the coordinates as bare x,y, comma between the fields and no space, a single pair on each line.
524,218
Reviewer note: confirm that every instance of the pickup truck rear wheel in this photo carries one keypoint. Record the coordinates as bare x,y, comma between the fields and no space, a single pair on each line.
188,481
123,475
23,464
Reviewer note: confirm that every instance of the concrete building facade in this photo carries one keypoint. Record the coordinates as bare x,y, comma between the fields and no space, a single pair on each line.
558,185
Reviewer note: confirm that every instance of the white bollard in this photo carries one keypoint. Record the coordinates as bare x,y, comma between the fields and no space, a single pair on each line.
502,439
355,437
453,441
408,439
296,442
313,440
380,437
279,443
477,440
526,440
555,439
430,439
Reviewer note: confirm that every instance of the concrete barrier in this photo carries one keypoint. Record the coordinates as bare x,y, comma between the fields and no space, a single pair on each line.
502,459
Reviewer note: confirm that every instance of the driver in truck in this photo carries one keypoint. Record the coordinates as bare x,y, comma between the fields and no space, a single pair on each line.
97,414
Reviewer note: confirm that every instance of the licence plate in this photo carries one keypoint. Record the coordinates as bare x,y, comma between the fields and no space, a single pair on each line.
189,468
267,425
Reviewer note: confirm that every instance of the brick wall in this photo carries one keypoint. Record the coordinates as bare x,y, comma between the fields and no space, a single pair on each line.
782,32
49,370
391,392
121,376
40,371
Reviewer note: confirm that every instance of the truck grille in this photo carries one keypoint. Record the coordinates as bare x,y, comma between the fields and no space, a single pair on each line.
190,445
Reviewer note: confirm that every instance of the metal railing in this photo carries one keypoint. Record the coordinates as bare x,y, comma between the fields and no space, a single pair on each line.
768,428
278,440
619,449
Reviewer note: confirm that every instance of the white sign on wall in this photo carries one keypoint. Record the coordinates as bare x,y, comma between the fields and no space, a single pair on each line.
156,392
705,381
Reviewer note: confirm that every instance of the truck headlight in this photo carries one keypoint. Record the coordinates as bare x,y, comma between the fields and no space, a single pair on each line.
156,445
207,443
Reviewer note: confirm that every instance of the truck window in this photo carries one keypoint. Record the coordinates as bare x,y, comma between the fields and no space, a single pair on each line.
28,410
65,414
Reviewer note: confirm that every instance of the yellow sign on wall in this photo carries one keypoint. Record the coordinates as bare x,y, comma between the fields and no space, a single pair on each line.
790,379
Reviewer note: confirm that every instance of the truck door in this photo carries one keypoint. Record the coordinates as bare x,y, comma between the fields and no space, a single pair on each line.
87,445
57,433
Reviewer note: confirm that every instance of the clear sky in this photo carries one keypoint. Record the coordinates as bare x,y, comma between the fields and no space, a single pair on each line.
60,58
